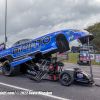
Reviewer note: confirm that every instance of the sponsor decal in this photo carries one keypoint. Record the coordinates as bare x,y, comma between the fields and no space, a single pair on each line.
67,31
77,36
61,56
5,62
97,57
70,32
92,57
79,75
31,45
31,72
71,37
2,46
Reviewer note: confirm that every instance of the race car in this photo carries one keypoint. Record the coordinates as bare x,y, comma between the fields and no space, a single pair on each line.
24,54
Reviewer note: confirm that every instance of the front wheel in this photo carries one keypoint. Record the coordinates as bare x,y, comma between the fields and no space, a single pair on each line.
65,79
8,70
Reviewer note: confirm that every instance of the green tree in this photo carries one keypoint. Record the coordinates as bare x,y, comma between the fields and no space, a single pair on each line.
95,29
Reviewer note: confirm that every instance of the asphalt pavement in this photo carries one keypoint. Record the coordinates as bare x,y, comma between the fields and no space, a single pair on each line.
73,92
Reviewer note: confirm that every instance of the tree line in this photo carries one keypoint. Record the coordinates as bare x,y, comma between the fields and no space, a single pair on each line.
95,30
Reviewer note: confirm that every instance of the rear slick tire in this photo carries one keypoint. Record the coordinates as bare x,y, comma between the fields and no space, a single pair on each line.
8,70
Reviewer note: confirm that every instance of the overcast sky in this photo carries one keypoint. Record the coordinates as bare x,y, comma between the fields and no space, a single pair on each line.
34,18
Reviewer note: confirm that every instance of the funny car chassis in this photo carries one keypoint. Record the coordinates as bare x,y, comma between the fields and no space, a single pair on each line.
54,71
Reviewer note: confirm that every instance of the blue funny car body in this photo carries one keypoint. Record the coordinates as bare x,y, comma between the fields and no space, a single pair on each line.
41,48
48,44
